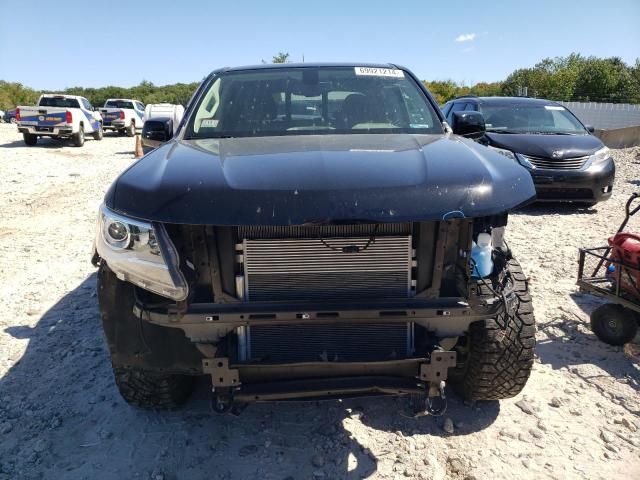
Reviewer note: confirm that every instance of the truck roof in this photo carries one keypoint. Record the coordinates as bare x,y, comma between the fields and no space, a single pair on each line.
309,65
60,95
121,100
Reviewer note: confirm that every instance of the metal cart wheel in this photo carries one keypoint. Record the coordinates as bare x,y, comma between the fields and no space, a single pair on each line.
614,324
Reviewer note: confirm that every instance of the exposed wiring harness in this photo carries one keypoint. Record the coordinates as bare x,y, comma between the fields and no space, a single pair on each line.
353,248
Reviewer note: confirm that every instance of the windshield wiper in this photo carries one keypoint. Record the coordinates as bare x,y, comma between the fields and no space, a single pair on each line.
551,133
498,130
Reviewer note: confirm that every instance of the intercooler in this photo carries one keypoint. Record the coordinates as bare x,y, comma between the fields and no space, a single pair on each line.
324,263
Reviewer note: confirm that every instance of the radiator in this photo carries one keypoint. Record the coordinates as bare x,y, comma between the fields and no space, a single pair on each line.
327,268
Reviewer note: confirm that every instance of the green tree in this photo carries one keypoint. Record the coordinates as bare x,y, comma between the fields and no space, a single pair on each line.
281,57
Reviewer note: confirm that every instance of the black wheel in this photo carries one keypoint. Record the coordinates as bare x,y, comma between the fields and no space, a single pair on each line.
498,353
78,138
99,133
30,139
614,324
147,389
131,129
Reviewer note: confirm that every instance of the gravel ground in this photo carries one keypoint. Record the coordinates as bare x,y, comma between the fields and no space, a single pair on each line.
61,416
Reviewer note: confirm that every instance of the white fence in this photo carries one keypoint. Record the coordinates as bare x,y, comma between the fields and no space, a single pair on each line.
605,116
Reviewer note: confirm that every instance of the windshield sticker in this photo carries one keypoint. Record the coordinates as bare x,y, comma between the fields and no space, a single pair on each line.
209,122
379,72
553,107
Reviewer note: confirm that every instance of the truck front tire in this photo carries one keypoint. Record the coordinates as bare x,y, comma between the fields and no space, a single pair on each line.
500,351
148,360
30,139
131,129
78,138
148,389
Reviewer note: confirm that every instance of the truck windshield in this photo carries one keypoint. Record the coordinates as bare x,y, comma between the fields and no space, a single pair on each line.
541,119
311,100
59,102
118,104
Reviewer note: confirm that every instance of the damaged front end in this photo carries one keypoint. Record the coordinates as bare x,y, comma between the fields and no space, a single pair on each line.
307,311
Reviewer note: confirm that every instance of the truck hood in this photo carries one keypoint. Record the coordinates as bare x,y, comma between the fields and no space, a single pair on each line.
315,179
547,146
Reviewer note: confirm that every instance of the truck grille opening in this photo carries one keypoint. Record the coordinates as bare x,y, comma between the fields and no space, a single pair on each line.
325,342
334,262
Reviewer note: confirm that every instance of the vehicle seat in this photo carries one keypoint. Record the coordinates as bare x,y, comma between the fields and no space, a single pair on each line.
356,108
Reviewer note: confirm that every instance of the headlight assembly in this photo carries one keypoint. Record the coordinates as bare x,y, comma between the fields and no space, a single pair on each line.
140,253
504,152
601,155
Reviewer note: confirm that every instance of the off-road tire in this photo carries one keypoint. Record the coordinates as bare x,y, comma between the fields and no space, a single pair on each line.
148,389
131,129
78,138
501,350
30,139
614,324
99,133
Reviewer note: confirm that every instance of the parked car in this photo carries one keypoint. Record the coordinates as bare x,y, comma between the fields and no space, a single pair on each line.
566,161
353,247
123,115
59,116
10,116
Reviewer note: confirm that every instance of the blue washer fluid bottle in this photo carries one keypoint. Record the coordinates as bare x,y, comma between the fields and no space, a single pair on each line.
481,255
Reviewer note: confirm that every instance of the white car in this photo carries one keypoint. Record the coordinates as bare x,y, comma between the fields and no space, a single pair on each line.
59,116
123,115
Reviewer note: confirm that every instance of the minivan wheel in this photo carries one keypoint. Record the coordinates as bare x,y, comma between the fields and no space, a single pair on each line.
500,351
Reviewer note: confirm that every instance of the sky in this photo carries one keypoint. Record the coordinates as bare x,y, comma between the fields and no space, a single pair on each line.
65,43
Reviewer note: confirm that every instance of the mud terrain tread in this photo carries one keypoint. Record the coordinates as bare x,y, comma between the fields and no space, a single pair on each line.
501,350
147,389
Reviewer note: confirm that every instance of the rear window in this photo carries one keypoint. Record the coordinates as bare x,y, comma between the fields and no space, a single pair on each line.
59,102
118,104
312,100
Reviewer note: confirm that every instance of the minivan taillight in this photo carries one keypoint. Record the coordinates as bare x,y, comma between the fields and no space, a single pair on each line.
17,114
121,115
69,117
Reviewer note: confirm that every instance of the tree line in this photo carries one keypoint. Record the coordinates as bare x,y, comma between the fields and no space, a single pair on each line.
14,94
571,78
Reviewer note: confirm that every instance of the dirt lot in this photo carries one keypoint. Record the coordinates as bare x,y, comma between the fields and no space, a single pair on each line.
61,416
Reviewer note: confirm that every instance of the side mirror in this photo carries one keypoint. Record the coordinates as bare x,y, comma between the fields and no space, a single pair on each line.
590,128
156,131
468,124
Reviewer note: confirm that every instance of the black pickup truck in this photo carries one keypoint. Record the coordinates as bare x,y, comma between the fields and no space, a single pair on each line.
309,231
